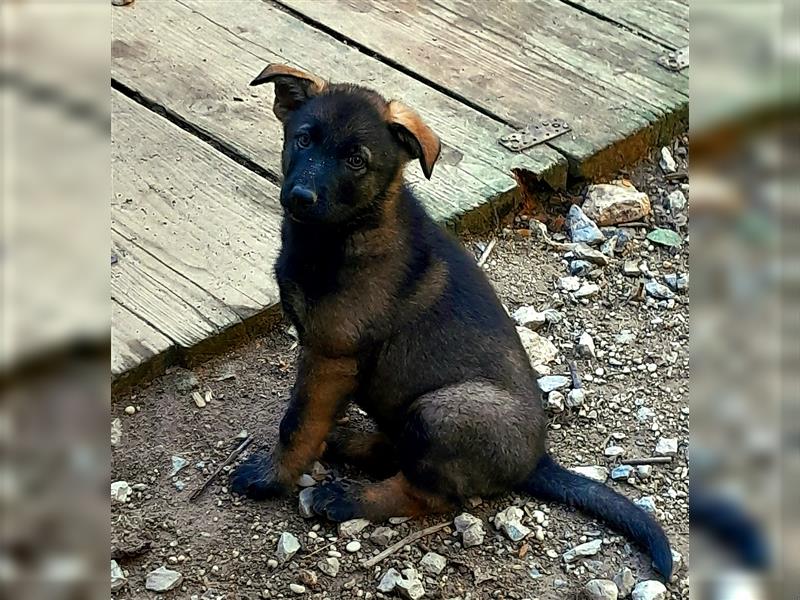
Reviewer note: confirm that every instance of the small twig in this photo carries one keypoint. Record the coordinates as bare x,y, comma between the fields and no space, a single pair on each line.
676,175
215,474
652,460
409,539
573,372
485,256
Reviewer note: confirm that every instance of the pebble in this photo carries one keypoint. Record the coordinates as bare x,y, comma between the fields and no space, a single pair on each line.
352,527
601,589
595,472
470,528
575,398
116,431
539,349
272,563
178,463
580,268
569,284
587,290
677,282
296,588
305,480
509,521
677,560
162,580
649,590
625,581
287,547
410,585
382,536
667,447
587,549
198,399
614,451
398,520
644,471
433,563
117,576
553,382
610,204
555,401
528,316
658,290
676,201
582,228
647,504
120,491
584,253
585,345
621,472
631,268
329,566
389,581
353,546
667,162
645,414
318,471
305,502
130,410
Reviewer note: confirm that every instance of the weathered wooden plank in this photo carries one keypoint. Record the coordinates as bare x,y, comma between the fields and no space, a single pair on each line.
133,342
173,304
665,21
212,221
522,59
196,59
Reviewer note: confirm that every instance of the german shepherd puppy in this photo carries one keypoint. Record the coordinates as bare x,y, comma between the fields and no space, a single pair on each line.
394,315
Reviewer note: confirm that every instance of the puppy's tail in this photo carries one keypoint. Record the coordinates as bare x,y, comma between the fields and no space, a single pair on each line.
552,482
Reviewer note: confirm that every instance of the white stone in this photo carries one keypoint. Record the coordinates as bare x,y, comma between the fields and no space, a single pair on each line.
433,563
389,581
625,581
470,528
116,431
597,473
352,527
288,545
305,480
296,588
178,463
609,204
570,283
647,504
587,549
555,401
575,398
510,522
329,566
528,316
667,447
667,162
587,290
643,472
539,349
120,491
649,590
614,451
549,383
353,546
305,502
411,588
162,580
601,589
585,345
117,576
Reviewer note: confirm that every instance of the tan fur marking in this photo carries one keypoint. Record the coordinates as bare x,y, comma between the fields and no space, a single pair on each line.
397,497
400,114
277,70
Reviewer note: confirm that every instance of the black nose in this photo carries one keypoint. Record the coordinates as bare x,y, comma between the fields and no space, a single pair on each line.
302,196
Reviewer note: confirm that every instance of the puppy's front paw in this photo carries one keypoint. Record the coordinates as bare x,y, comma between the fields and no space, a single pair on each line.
255,478
337,501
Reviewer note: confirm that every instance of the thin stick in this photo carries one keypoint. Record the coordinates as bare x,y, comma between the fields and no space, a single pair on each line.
196,494
652,460
409,539
485,256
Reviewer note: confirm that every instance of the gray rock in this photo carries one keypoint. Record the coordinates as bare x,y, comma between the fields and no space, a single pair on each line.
643,472
352,527
410,585
647,504
631,268
587,549
614,451
287,547
552,316
677,560
382,536
555,401
677,282
667,162
582,228
587,290
553,382
595,472
667,447
470,528
433,563
625,581
120,491
644,414
464,521
649,590
509,521
658,290
610,204
528,316
178,463
180,485
621,472
569,284
676,202
583,252
601,589
305,480
296,588
580,268
389,581
117,576
585,346
329,566
398,520
575,398
305,501
162,580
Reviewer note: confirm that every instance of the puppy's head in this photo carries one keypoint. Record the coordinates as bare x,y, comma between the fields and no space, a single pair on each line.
344,146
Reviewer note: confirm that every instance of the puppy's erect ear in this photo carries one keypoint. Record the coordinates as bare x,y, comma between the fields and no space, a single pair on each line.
417,137
292,87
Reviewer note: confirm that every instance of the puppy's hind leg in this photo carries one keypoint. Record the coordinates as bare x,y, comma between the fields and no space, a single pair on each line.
370,451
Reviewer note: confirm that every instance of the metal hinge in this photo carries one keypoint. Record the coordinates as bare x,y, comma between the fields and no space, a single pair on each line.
535,133
676,60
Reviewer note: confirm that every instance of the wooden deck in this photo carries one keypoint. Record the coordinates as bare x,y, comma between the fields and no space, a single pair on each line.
195,217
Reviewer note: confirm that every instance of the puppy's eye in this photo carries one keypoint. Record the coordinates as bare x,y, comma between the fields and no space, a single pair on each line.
356,162
303,140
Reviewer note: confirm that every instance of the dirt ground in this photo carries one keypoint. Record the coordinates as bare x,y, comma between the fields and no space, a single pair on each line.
224,547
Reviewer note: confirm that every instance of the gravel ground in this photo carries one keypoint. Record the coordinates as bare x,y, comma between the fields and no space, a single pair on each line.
636,389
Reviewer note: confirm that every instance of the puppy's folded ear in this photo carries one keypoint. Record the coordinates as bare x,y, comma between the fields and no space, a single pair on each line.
415,135
293,87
